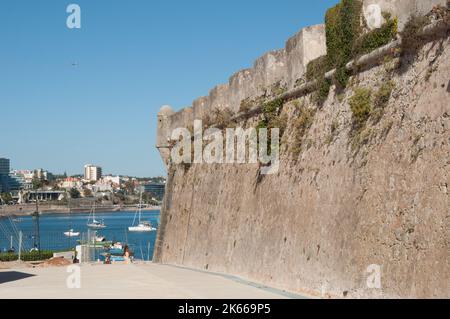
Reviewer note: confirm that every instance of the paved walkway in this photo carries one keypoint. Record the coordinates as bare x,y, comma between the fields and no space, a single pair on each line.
138,281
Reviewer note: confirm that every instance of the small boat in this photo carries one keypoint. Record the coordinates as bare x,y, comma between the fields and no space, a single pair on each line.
72,233
117,246
17,220
100,239
95,224
116,252
142,226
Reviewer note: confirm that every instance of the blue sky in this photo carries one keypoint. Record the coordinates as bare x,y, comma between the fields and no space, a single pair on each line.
133,57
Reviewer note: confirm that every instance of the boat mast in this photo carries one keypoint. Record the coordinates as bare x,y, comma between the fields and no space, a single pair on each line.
37,236
140,206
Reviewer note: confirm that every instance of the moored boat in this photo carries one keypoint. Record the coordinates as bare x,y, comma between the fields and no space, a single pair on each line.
142,226
93,223
72,233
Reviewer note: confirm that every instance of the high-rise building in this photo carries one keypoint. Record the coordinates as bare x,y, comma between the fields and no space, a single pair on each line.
157,189
8,182
4,166
92,173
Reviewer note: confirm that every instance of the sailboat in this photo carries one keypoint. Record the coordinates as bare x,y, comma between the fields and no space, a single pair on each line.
142,226
71,233
95,223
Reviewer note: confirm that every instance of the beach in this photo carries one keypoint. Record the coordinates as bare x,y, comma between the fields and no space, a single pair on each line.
28,209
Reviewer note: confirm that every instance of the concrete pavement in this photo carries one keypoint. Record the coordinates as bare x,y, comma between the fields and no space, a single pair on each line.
137,281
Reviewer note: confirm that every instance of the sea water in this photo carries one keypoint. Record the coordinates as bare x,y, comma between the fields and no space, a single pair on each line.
53,226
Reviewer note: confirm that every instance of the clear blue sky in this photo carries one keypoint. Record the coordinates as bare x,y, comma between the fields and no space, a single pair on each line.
133,57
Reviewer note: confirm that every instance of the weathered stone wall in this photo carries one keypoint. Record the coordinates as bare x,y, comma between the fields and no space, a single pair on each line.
403,9
317,225
288,65
302,48
283,66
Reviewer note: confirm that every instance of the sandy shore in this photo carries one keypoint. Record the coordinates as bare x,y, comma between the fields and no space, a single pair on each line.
26,210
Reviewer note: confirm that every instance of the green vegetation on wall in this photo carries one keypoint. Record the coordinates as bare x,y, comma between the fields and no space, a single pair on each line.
411,41
345,41
343,28
361,106
273,118
382,97
366,105
301,126
316,71
376,38
271,115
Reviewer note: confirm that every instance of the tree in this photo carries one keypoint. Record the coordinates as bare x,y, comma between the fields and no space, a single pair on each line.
6,198
74,193
148,198
37,182
87,192
130,187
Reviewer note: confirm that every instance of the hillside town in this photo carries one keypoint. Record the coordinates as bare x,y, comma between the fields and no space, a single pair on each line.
25,186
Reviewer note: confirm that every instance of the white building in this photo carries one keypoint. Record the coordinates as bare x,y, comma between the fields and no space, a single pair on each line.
92,173
112,179
70,183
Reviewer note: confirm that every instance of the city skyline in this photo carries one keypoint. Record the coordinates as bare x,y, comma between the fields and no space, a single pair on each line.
61,91
81,172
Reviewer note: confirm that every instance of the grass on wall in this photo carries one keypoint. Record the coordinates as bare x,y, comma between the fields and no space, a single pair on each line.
346,41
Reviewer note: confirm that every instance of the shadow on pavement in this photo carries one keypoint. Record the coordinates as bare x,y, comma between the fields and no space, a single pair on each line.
8,276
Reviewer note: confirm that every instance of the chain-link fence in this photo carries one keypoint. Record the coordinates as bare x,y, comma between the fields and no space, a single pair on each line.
51,234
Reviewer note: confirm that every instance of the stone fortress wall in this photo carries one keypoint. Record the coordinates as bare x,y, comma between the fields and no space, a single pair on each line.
283,67
342,201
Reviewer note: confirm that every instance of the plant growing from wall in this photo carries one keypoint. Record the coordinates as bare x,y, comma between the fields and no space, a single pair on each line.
345,41
361,107
222,118
246,105
315,71
317,68
381,99
411,41
366,105
343,28
377,37
301,125
273,117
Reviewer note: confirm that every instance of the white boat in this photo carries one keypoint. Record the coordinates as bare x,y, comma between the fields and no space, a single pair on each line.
96,224
72,233
142,226
93,223
100,239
